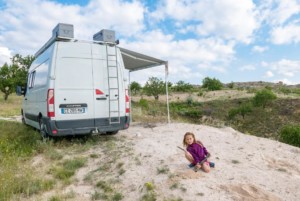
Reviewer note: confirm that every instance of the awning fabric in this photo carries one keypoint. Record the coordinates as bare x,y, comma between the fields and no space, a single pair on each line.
134,61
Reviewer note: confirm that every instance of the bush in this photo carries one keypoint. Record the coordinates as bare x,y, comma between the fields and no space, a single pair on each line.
181,86
212,84
263,97
243,109
144,104
231,85
290,134
189,100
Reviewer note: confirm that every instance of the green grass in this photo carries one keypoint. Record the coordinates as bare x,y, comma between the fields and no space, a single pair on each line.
259,122
11,107
18,144
65,170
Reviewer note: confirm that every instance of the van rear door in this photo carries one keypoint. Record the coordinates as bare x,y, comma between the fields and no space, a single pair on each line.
74,86
101,85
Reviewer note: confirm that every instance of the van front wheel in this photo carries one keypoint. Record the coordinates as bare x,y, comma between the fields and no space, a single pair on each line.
43,130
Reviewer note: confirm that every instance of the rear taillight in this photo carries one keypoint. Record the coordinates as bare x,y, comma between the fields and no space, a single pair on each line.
50,103
127,104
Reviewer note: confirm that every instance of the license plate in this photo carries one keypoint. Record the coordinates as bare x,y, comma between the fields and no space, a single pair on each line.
73,110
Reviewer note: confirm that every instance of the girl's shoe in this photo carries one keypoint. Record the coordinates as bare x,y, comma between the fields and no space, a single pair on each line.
191,165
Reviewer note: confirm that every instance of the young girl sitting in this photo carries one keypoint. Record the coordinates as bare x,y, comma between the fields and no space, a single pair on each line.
196,153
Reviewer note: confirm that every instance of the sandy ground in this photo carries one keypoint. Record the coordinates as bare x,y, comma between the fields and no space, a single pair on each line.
247,167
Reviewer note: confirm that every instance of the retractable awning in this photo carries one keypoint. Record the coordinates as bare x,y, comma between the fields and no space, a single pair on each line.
134,61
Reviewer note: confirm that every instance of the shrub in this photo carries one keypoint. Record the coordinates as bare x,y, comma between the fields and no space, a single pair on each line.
189,100
182,86
231,85
135,87
144,104
285,90
212,84
290,134
263,97
232,113
242,110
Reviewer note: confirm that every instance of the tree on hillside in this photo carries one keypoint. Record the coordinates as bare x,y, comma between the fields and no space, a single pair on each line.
263,97
6,81
182,86
23,64
154,87
14,74
243,110
212,84
135,87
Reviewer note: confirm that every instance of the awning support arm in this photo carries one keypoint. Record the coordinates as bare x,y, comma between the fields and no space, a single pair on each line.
167,94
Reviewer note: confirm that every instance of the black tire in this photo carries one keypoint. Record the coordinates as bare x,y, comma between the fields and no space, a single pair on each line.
43,129
23,118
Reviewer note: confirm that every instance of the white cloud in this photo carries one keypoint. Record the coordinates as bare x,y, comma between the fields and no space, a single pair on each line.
286,34
226,19
5,55
188,52
187,58
264,64
286,68
283,10
247,68
26,25
259,49
269,74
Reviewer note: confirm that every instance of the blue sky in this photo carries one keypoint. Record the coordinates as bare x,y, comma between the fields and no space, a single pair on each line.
239,41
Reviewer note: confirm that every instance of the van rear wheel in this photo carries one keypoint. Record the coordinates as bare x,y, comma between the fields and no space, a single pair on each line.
23,119
43,130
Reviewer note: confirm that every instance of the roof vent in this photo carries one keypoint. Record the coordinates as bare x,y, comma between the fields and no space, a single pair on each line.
63,30
105,35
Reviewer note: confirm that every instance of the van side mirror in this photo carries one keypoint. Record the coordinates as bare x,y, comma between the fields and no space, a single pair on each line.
21,91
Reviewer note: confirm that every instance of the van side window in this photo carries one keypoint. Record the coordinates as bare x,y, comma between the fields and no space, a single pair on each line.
41,74
31,80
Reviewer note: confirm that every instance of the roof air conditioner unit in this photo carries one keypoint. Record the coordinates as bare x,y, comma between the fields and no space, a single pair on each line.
105,35
63,30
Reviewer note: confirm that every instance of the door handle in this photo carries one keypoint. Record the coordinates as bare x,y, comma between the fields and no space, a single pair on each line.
104,98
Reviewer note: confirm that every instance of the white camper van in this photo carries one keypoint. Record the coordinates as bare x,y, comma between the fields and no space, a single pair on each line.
77,87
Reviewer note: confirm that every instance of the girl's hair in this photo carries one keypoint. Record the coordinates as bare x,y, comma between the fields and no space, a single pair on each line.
193,135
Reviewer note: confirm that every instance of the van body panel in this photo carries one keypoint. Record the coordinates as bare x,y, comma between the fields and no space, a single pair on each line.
89,89
34,102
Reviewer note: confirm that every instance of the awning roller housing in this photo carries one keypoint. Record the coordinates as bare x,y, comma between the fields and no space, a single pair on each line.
134,61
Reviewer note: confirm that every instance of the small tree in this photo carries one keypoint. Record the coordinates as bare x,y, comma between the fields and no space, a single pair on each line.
23,65
135,87
182,86
263,98
15,74
154,87
242,110
212,84
6,80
